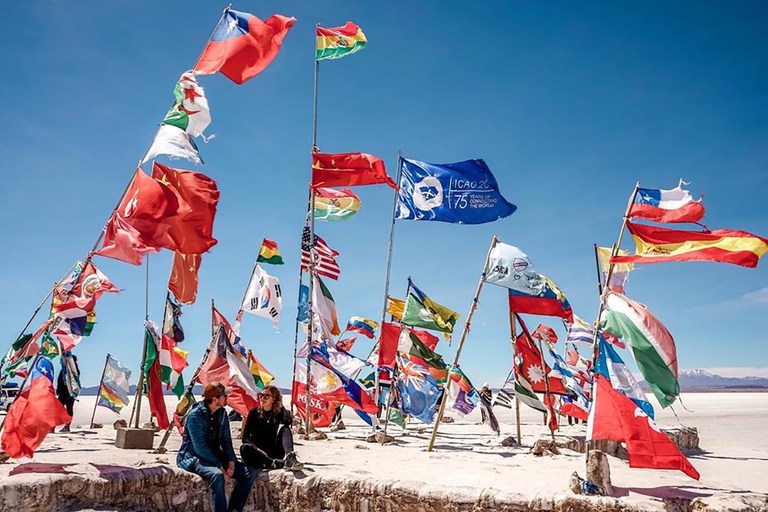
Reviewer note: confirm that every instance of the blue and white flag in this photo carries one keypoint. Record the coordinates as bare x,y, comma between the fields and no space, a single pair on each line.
419,393
303,315
460,193
610,365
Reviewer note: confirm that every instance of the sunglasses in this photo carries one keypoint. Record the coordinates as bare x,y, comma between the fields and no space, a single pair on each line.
265,396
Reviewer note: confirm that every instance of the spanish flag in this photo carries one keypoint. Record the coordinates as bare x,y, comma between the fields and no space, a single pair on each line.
269,253
338,42
656,245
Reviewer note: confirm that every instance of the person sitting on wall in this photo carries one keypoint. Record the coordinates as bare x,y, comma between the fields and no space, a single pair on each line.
206,449
267,436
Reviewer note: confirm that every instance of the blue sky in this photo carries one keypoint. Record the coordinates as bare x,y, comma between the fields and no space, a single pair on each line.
568,103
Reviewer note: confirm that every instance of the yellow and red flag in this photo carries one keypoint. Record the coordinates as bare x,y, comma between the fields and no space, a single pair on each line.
338,42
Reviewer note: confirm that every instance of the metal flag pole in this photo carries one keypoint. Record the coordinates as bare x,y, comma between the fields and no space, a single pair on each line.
377,391
599,271
614,251
464,332
98,393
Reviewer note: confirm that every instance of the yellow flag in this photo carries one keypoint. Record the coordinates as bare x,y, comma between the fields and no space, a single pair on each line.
396,307
605,258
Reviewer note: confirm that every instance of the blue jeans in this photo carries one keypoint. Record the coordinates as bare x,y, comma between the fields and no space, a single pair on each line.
215,478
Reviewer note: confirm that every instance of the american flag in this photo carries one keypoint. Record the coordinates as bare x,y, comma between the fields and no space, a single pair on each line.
324,257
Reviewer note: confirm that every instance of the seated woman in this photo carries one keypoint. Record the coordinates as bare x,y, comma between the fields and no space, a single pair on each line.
267,436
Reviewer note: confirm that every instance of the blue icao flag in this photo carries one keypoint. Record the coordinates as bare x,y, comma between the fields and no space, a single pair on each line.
459,193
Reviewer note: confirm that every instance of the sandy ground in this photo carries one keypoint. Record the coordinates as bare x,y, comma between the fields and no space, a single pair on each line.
731,426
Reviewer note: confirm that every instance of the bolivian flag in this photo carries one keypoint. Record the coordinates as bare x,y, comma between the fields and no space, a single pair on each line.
656,245
335,43
335,205
269,253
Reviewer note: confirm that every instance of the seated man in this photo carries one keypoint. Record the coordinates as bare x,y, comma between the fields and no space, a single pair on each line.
267,436
206,449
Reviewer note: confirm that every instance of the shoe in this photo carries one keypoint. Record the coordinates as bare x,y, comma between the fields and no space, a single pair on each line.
278,463
292,462
65,428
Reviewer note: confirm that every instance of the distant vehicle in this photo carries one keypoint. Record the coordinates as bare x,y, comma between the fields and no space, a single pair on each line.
8,392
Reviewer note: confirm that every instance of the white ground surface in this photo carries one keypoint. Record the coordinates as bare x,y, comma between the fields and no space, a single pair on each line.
732,427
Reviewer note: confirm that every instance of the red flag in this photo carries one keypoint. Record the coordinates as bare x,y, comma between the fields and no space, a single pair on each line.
346,344
531,365
552,424
390,333
34,413
545,333
348,169
615,417
183,281
191,228
224,366
242,45
321,411
156,398
123,242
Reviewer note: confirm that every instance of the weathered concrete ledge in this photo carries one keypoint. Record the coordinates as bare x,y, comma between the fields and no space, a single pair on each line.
163,488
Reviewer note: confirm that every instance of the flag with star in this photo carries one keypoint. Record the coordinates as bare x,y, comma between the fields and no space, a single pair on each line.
190,110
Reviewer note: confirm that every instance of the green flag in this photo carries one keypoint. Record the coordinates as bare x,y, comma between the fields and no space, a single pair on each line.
421,311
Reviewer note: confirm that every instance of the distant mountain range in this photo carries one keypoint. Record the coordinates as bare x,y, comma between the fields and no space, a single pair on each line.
702,380
197,391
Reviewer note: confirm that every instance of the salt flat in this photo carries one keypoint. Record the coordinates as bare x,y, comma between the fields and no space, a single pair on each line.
467,454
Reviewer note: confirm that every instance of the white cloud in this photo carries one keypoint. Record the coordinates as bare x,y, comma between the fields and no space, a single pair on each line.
740,371
758,296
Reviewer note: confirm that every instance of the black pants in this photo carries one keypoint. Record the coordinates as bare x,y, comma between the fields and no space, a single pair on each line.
261,455
67,401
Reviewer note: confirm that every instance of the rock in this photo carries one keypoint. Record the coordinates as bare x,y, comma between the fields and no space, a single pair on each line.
447,419
685,438
574,483
151,426
338,426
510,441
97,425
361,447
120,424
380,438
315,436
160,450
613,448
545,447
4,456
298,429
162,460
571,443
599,472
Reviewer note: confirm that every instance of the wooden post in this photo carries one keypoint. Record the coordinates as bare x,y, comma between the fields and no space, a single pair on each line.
513,337
98,393
464,333
547,395
395,370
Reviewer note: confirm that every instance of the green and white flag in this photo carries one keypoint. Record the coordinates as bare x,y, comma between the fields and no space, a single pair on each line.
173,142
409,344
190,111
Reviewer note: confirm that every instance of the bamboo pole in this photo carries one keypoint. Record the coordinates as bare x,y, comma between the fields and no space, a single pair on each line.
395,371
548,395
464,332
142,375
98,393
513,337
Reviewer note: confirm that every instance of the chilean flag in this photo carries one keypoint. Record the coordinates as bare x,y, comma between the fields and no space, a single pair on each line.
659,205
242,45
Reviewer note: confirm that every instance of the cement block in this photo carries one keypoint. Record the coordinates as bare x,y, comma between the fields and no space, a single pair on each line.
134,438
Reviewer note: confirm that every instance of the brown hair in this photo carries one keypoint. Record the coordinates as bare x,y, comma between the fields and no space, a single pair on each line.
277,402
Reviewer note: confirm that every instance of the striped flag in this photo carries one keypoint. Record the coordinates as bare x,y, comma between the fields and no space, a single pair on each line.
580,333
324,257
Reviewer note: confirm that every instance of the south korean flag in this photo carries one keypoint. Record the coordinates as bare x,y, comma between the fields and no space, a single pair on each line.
263,297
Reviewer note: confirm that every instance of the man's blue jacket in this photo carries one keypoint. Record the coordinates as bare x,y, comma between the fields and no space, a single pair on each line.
206,439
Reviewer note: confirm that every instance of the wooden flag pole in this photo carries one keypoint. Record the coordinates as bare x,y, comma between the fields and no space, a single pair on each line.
464,332
513,338
548,395
142,376
395,371
98,393
390,245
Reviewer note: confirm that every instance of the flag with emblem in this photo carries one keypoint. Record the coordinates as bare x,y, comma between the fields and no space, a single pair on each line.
190,110
263,296
173,359
529,365
419,393
335,205
338,42
348,169
421,311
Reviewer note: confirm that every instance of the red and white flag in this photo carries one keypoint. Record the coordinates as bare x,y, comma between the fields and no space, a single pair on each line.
615,417
323,257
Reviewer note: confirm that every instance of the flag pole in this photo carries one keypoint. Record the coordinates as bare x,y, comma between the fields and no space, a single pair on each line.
142,376
377,391
547,395
614,251
599,273
395,369
98,393
513,339
464,332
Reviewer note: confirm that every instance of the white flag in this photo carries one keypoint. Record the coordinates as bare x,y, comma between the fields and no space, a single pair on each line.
190,111
510,267
174,142
263,297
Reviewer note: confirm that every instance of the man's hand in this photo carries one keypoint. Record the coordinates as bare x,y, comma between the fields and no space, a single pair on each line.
230,470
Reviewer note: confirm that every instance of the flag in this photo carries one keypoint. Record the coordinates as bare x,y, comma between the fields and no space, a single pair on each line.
335,205
242,45
173,142
333,385
490,417
412,347
651,343
21,351
620,275
190,110
322,257
580,333
324,307
34,413
173,360
269,253
418,391
263,296
321,410
546,334
459,193
503,398
348,169
396,307
615,417
362,325
574,407
261,376
610,365
153,374
525,394
48,348
114,386
191,225
530,365
91,283
660,205
341,360
70,373
183,281
123,242
346,344
225,366
337,42
303,306
461,394
529,291
657,245
421,311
